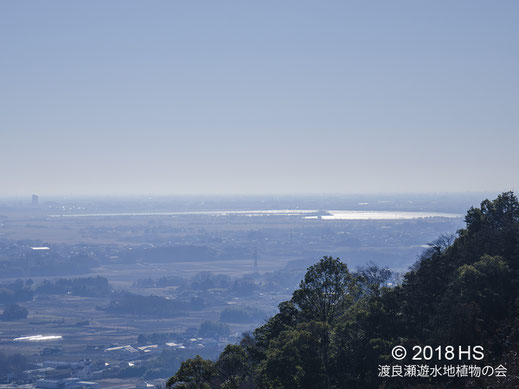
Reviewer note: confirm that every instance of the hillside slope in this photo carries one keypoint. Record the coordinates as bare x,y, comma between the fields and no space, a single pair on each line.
339,328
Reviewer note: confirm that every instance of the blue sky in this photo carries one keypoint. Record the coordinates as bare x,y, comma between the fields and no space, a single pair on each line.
234,97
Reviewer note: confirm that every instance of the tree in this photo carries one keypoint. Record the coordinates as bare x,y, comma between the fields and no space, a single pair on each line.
372,277
232,366
195,373
210,328
328,287
494,227
14,312
297,358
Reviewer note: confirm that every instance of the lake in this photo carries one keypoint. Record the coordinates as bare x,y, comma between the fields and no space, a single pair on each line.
306,213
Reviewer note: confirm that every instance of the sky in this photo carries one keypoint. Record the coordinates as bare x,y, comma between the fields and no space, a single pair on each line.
258,97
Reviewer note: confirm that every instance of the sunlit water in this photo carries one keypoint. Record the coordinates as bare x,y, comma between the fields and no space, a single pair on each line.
276,212
306,213
384,215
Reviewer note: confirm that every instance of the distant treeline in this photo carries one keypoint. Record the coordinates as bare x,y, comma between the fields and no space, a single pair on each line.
242,315
169,254
19,290
162,282
85,287
13,312
16,291
12,364
154,306
33,264
213,329
207,281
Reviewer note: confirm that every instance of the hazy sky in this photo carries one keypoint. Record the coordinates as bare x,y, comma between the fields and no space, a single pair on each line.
179,97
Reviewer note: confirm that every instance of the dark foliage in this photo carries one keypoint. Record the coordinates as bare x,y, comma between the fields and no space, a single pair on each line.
10,364
15,292
213,329
14,312
242,315
135,304
86,287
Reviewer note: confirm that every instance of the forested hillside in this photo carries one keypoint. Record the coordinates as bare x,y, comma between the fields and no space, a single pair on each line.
339,328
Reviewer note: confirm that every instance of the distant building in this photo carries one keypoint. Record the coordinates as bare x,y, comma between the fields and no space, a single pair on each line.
35,200
153,384
40,248
124,352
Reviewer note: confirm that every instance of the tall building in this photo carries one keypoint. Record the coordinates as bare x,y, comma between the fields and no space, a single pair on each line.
35,199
